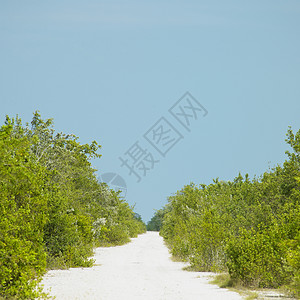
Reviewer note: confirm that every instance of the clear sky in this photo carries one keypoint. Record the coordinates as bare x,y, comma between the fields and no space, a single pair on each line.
110,70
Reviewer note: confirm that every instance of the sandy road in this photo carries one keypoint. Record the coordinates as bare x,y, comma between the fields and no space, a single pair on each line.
139,270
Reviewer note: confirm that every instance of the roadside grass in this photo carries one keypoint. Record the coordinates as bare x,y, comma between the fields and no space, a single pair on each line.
112,244
176,258
223,280
252,296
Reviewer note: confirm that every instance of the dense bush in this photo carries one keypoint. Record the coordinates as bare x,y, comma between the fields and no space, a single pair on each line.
23,215
249,227
155,223
53,210
256,258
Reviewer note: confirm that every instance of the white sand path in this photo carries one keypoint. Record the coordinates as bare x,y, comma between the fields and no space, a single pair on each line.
139,270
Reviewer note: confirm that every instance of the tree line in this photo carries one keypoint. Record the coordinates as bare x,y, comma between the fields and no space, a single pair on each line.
248,228
53,210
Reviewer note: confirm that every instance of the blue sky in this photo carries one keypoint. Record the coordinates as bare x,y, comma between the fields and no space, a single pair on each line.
109,70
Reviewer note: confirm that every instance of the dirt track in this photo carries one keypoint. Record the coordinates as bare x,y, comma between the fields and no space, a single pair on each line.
139,270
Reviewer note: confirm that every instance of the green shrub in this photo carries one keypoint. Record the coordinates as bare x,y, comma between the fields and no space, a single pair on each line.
257,258
50,206
155,224
206,242
249,227
118,235
23,214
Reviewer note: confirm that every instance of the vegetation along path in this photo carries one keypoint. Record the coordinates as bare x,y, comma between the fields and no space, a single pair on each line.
141,269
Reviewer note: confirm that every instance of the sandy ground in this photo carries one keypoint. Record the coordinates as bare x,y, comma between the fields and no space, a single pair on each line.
139,270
